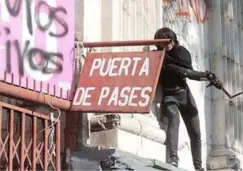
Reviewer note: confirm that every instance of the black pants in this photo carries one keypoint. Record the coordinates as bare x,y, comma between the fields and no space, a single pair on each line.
182,102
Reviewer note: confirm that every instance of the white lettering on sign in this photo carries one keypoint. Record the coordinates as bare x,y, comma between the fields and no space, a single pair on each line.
104,94
133,96
136,59
120,66
95,65
145,96
113,67
125,63
82,95
145,68
126,96
114,97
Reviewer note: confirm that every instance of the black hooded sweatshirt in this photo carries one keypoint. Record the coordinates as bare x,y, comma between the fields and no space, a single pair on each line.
176,67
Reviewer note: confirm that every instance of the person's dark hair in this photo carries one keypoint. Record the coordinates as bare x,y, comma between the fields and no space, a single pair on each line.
166,33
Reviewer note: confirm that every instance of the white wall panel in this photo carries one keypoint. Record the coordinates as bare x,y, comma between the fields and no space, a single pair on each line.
232,42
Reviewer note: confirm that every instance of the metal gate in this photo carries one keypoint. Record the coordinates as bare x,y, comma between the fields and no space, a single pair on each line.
27,141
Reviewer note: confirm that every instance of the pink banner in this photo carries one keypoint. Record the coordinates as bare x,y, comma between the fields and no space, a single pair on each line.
36,45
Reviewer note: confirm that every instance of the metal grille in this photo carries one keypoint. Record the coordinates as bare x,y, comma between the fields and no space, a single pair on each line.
25,140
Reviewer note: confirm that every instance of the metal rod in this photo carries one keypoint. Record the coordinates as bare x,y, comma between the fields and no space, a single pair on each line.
11,132
32,96
126,43
226,92
58,147
71,130
34,130
22,155
229,95
237,94
26,111
46,145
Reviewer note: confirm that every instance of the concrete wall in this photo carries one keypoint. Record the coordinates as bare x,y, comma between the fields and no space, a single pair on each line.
225,42
121,20
231,51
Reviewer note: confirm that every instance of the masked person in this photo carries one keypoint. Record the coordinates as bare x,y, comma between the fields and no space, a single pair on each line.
177,98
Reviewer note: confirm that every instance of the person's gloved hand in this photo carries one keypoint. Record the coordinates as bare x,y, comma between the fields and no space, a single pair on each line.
213,80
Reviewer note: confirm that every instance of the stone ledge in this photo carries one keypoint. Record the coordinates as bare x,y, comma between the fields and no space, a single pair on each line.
114,159
135,126
138,145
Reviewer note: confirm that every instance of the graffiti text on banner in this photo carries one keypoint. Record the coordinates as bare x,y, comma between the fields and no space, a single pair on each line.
36,38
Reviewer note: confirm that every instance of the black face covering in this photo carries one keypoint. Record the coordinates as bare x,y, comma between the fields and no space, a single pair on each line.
165,33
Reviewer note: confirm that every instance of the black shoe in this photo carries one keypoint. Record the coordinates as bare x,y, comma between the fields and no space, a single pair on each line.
173,161
202,169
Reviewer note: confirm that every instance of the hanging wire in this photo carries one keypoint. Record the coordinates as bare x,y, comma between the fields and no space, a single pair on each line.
59,111
78,58
51,126
80,55
51,137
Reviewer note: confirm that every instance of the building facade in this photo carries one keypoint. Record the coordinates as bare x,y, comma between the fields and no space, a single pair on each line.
210,30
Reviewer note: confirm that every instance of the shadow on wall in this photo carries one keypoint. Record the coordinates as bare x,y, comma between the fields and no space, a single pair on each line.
157,109
208,123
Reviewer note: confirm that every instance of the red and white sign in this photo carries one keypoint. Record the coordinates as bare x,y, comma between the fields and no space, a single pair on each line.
118,82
